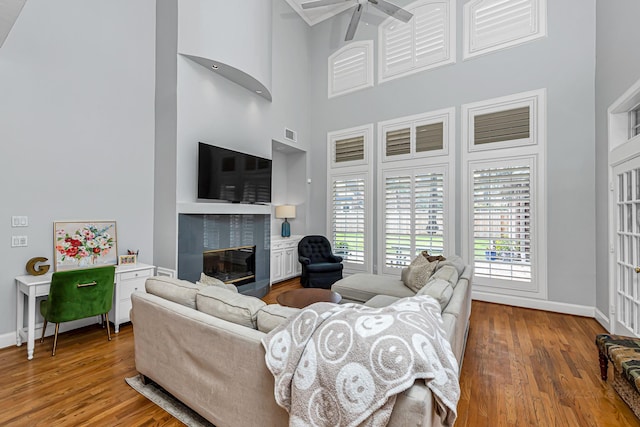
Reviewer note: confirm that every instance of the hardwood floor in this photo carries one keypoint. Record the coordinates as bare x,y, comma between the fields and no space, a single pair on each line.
521,368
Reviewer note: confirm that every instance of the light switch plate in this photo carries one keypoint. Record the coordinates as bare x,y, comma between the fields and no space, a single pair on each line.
18,241
19,221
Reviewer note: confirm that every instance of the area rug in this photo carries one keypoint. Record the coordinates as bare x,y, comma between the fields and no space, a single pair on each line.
166,401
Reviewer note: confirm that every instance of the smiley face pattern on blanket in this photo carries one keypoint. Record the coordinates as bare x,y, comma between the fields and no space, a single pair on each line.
343,365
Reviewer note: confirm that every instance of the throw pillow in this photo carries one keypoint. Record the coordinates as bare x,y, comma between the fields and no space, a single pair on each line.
230,306
439,289
418,273
212,281
272,315
446,272
171,289
455,261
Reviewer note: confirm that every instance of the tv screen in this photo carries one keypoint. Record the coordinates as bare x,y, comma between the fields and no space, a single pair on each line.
232,176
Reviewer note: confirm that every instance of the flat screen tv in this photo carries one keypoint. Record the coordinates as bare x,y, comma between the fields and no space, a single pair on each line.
232,176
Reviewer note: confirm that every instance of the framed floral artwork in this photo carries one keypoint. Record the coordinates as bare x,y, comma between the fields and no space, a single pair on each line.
84,244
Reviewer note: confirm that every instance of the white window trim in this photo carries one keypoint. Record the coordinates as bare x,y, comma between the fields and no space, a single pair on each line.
535,100
618,119
536,152
366,131
451,48
445,116
367,48
446,159
466,48
351,170
411,167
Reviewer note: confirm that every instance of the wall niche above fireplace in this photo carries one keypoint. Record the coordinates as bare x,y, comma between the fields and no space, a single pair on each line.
234,248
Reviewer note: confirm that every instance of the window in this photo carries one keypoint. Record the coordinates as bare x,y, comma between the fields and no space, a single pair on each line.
504,214
502,220
416,205
351,68
349,196
426,41
490,25
634,121
503,123
422,135
414,215
348,218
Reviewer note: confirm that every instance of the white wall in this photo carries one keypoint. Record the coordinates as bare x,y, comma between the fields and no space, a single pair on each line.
77,128
564,63
616,71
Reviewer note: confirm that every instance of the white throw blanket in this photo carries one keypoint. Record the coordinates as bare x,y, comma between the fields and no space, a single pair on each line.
343,365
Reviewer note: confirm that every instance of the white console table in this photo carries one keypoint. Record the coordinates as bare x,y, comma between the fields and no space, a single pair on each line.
128,278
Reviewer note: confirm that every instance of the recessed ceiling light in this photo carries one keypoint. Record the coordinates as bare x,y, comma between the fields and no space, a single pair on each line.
258,91
214,66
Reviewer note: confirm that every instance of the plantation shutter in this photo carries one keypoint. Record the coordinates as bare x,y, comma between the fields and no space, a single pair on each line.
507,125
429,213
430,137
414,204
495,22
350,69
431,33
502,222
349,149
348,218
397,220
417,44
397,47
398,142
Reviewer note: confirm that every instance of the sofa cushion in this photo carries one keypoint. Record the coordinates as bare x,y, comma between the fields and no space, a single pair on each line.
452,260
176,290
439,289
230,306
212,281
272,315
362,287
418,273
448,273
380,301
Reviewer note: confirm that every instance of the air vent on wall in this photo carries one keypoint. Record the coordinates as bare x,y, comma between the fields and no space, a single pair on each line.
290,135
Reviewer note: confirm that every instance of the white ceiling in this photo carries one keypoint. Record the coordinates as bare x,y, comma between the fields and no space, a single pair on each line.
9,11
315,15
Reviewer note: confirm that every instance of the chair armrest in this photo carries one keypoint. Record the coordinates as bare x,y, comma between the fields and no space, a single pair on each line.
304,260
335,258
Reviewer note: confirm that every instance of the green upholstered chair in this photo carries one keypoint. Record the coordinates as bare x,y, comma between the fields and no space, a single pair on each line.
78,294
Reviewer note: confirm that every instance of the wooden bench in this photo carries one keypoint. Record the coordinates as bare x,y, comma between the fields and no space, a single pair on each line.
624,353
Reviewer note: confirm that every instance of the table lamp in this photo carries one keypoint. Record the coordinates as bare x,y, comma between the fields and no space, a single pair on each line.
286,211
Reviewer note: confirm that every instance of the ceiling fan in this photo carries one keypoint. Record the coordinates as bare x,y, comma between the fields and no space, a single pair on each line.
385,6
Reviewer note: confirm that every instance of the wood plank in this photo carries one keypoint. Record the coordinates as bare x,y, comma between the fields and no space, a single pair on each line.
521,368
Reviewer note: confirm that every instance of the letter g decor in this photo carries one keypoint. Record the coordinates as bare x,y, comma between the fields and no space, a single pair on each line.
42,269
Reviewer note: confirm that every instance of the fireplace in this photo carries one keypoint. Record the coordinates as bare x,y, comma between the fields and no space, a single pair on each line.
231,247
231,265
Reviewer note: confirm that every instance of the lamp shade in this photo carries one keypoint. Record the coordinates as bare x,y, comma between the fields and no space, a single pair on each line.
286,211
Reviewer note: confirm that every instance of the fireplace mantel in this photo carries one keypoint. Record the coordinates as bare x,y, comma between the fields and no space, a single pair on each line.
223,208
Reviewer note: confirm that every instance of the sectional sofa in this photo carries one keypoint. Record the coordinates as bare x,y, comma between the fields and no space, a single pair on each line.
203,345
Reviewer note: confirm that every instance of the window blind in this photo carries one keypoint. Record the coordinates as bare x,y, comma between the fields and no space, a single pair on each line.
430,137
398,142
349,149
495,22
504,125
414,207
348,218
502,222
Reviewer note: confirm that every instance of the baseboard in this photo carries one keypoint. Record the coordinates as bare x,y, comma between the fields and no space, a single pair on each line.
557,307
603,320
9,339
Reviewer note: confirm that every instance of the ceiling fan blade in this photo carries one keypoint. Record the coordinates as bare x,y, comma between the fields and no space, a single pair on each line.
353,25
392,10
319,3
